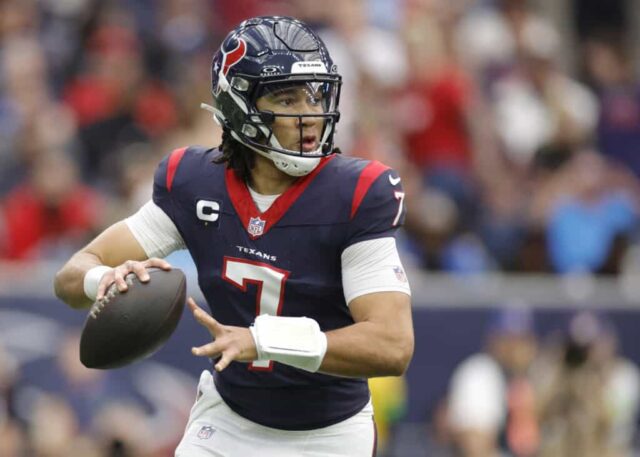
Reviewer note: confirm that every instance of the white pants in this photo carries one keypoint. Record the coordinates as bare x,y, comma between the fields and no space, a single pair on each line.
214,430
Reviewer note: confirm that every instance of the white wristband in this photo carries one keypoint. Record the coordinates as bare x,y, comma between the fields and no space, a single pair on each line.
293,341
92,280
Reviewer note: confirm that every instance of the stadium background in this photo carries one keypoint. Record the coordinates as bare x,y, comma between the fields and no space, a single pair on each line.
515,125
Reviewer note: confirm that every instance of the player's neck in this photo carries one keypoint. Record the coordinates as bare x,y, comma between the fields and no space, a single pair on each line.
266,179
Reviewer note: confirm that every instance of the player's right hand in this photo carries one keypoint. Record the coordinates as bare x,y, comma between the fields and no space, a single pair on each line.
117,274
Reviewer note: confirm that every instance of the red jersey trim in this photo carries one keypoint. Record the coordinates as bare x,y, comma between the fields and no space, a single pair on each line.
172,166
368,175
246,208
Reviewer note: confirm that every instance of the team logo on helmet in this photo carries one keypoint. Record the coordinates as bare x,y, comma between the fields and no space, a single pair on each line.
229,59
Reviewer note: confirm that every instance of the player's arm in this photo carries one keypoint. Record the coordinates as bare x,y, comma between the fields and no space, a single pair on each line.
380,343
129,246
114,247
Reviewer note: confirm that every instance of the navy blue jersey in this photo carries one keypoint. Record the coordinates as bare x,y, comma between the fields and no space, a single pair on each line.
285,261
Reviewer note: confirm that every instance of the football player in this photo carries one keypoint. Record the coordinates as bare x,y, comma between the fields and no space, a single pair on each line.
295,250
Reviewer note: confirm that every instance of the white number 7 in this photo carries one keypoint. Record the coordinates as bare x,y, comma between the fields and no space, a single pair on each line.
270,284
400,197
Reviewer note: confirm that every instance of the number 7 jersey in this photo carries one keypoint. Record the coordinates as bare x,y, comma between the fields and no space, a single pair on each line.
285,261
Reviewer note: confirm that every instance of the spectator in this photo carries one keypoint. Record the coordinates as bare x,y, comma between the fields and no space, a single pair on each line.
589,211
123,430
30,119
114,99
86,392
491,400
50,213
537,105
489,36
12,439
611,72
588,393
52,427
9,375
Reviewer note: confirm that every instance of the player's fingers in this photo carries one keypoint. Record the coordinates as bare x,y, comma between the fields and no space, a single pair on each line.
105,282
207,350
225,360
160,263
140,271
204,318
193,306
199,314
119,274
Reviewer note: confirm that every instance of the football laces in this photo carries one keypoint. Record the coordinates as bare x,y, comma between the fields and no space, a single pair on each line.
99,305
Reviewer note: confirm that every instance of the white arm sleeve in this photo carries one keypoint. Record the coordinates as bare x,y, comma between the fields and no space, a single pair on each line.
155,231
372,266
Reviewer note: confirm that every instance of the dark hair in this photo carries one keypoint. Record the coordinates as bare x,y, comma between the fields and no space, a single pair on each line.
236,155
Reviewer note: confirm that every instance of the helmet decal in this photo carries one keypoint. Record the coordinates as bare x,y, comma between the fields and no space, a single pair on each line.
229,59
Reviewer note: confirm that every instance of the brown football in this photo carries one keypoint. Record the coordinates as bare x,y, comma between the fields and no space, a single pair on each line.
131,325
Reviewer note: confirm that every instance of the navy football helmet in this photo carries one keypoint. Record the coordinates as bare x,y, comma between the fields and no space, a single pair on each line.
265,55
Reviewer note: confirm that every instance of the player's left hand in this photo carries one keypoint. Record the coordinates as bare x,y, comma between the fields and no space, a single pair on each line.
229,343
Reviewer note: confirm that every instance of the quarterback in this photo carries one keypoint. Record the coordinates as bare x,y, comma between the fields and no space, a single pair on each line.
295,250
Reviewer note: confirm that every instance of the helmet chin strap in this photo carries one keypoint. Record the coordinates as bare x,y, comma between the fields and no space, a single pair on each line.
291,165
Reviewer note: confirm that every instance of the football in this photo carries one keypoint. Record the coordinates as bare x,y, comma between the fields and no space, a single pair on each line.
128,326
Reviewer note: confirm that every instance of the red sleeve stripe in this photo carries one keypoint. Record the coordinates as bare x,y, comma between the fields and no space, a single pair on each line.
367,177
172,166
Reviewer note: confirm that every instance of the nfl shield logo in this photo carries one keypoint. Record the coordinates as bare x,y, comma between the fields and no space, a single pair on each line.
205,432
256,226
400,274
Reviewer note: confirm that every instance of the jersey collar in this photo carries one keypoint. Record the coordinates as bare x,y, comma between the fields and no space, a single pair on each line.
256,223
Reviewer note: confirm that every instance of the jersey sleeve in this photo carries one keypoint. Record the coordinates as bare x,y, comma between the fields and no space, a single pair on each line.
372,266
155,231
164,181
377,207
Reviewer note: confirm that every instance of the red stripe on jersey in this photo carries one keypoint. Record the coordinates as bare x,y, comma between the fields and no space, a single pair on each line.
367,177
172,166
246,208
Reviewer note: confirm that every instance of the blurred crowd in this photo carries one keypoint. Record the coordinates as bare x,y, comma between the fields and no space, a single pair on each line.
569,393
55,407
516,130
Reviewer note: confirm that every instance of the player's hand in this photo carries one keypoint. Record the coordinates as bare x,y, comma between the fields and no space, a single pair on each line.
117,274
229,343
